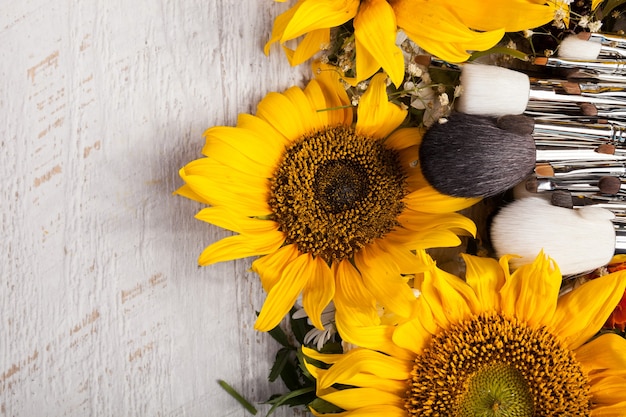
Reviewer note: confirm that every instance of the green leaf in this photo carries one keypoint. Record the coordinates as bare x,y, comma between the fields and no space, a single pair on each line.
299,327
324,407
277,402
282,358
231,391
279,335
500,50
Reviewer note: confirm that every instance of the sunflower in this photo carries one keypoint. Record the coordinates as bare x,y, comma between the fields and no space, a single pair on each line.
497,344
445,28
334,208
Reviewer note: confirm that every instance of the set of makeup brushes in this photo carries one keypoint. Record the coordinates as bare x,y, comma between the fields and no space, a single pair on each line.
575,112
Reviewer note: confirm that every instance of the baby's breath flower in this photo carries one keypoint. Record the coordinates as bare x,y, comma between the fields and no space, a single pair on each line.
362,85
355,100
444,100
458,90
595,26
409,86
528,33
414,70
584,21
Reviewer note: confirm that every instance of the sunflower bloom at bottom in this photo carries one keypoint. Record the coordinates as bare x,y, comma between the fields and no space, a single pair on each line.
336,210
497,344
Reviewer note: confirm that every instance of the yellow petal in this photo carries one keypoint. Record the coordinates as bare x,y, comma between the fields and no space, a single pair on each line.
379,338
382,278
318,291
439,31
283,295
225,218
404,138
359,361
187,192
241,246
317,100
329,78
352,299
270,267
370,411
613,410
429,200
279,111
449,298
413,335
309,46
582,312
357,398
605,391
280,24
318,14
595,4
532,291
512,16
604,352
486,278
376,116
375,31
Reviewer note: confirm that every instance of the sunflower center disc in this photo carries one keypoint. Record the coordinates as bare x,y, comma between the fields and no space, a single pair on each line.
339,185
495,366
336,191
497,391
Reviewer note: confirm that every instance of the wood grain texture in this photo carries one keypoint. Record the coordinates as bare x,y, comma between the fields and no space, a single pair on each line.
104,311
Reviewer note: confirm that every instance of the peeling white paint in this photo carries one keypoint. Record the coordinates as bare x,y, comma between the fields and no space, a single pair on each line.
104,311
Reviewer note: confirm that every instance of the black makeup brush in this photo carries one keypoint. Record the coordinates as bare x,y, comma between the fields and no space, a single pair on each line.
578,240
471,156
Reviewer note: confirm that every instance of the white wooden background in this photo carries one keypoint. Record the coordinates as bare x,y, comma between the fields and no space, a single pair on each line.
104,311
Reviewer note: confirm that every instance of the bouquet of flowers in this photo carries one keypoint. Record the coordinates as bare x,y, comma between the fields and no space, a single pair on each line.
436,216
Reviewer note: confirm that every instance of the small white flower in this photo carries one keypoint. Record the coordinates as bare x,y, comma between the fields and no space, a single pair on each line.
584,21
458,90
355,100
444,100
317,336
595,26
362,85
528,33
409,86
414,70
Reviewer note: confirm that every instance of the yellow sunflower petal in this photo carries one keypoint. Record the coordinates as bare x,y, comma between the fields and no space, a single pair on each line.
376,116
486,278
613,410
512,16
225,218
252,202
283,295
595,4
311,44
404,138
429,200
318,291
241,246
359,398
379,338
352,299
319,14
375,31
337,98
382,278
187,192
365,361
270,267
604,352
269,136
532,291
582,312
412,335
605,391
371,411
279,112
280,24
307,116
447,299
439,31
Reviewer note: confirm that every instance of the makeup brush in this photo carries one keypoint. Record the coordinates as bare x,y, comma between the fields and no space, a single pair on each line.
496,91
607,185
573,47
578,240
470,156
606,66
603,38
580,168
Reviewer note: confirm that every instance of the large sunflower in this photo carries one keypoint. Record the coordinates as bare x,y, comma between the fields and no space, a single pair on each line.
337,209
445,28
499,344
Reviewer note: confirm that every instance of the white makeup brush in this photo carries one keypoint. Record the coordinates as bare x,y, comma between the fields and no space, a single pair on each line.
579,48
578,240
495,91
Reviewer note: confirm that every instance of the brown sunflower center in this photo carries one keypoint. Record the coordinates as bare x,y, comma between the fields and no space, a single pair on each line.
494,366
335,191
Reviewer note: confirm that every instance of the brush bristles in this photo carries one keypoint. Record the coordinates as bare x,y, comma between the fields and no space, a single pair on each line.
469,156
609,185
573,47
578,240
492,91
